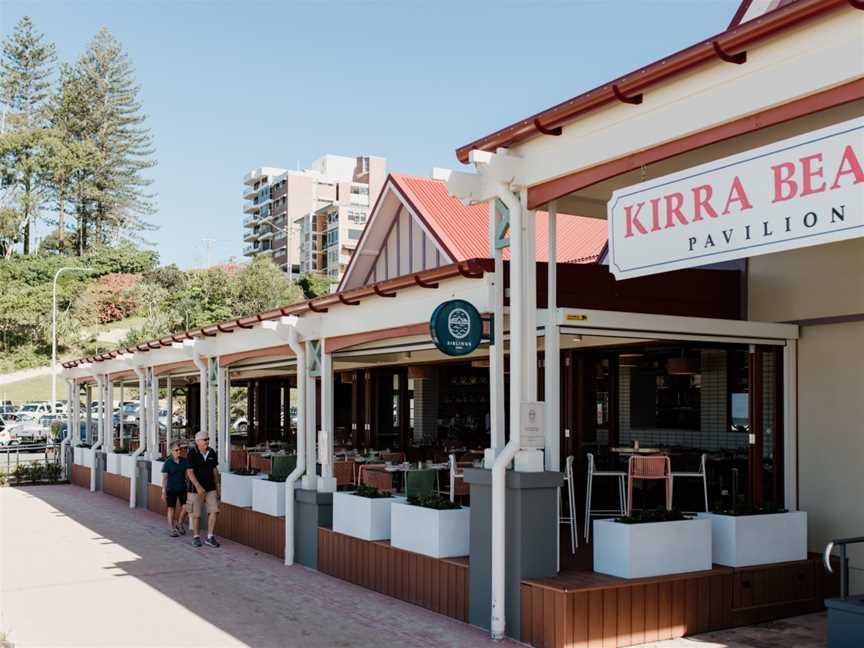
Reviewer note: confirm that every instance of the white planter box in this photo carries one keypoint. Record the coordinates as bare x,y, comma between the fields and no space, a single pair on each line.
156,472
745,540
127,465
440,534
237,489
76,456
363,517
86,455
268,497
651,549
112,463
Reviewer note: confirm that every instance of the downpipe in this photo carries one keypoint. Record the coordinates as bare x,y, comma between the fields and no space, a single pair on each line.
100,430
70,418
499,466
142,438
205,390
300,353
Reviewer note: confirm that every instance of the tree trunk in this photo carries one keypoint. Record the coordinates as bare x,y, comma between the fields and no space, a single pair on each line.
27,236
61,224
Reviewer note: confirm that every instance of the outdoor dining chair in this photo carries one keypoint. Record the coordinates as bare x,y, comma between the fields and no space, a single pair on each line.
619,475
457,484
570,492
376,475
649,468
393,457
700,474
420,482
343,471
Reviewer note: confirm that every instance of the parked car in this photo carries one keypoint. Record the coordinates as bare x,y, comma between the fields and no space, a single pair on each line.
33,409
31,430
64,426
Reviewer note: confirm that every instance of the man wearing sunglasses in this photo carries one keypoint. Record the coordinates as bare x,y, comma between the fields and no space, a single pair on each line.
174,489
204,488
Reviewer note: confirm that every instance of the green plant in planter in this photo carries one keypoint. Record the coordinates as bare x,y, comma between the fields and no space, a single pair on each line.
365,490
245,472
36,473
84,445
749,509
282,465
21,473
653,515
4,478
276,478
53,472
433,501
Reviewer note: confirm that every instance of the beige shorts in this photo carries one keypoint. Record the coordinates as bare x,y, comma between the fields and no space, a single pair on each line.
195,502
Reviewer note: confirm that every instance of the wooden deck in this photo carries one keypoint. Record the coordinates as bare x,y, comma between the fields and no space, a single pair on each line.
440,585
587,609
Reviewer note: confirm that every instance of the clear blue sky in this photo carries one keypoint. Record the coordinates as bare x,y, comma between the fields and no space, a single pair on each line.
231,86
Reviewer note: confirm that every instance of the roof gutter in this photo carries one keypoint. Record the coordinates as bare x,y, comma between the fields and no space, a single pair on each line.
628,87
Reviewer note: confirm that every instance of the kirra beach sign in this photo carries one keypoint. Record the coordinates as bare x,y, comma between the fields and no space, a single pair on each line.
803,191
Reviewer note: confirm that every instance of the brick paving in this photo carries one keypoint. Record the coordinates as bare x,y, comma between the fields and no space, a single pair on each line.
82,569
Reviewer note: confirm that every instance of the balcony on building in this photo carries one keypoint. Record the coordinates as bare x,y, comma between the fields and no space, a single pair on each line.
251,207
250,221
250,235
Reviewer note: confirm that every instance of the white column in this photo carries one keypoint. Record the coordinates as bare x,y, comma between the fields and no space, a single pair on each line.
552,347
212,397
108,414
75,408
143,406
529,275
310,480
120,414
169,433
225,421
88,415
496,350
326,482
790,424
153,451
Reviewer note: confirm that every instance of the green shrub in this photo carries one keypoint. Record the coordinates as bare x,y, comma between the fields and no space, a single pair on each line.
365,490
36,473
53,472
433,501
652,515
245,472
750,509
277,478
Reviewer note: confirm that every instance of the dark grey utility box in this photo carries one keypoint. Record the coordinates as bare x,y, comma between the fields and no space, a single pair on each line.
100,465
845,622
311,510
530,545
142,494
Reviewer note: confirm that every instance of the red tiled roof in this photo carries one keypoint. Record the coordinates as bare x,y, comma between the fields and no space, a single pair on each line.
463,230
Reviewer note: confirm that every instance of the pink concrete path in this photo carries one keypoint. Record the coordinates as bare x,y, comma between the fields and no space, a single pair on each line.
82,569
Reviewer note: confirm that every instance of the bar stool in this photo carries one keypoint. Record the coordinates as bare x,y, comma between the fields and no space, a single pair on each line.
646,468
570,492
701,474
592,473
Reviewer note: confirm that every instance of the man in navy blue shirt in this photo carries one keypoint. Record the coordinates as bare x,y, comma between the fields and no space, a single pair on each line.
174,488
204,488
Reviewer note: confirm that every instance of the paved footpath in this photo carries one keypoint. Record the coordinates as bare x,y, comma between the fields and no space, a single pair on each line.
82,569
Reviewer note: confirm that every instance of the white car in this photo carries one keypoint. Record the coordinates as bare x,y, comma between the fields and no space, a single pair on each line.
33,410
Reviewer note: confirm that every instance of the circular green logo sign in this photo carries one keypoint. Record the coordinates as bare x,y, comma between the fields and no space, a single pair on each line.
456,327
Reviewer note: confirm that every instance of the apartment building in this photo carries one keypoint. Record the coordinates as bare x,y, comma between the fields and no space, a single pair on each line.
309,220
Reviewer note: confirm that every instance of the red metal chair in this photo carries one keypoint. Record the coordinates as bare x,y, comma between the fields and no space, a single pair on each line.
649,468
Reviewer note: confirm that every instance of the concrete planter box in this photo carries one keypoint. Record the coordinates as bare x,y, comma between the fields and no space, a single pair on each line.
86,456
268,497
363,517
237,489
112,463
439,534
156,472
77,458
651,549
745,540
127,465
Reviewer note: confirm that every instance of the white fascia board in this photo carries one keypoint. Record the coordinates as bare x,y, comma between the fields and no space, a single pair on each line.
822,53
645,324
410,306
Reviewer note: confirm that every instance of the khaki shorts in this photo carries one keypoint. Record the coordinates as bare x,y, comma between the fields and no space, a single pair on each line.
195,502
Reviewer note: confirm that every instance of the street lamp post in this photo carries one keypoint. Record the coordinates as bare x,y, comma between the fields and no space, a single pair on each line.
54,333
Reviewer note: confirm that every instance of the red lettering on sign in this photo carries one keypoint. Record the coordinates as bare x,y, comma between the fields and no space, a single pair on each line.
809,172
849,164
674,202
737,195
783,179
702,201
633,220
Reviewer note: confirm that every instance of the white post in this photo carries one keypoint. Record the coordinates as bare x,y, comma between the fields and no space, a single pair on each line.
108,414
88,415
100,427
212,397
75,406
790,424
529,304
153,450
310,480
326,482
120,414
169,428
142,438
225,421
143,405
300,352
66,442
496,350
552,347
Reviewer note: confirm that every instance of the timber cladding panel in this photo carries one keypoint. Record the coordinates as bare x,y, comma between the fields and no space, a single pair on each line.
116,485
80,476
595,610
440,585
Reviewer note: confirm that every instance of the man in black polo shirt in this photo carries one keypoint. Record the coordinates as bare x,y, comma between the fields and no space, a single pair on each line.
204,488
